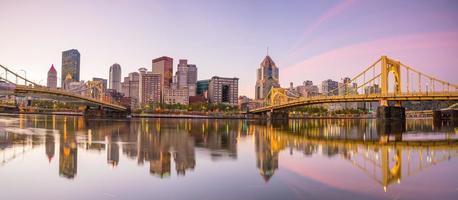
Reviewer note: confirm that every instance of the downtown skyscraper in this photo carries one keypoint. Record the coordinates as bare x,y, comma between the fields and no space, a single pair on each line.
267,78
186,76
150,85
52,78
164,66
70,65
115,77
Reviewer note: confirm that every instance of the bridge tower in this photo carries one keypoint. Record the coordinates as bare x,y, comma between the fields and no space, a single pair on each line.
390,66
384,111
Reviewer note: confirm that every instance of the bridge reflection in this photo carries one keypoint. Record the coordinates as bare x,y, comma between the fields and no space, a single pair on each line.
384,157
385,154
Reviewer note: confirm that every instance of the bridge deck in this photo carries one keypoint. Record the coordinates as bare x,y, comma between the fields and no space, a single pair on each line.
437,96
53,92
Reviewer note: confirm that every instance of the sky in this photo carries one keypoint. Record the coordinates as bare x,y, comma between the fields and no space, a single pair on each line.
308,40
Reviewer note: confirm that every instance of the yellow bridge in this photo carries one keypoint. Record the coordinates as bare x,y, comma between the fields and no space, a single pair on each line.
395,82
11,84
47,92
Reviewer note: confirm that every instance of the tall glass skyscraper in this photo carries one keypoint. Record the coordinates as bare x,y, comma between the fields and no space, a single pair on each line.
70,65
115,77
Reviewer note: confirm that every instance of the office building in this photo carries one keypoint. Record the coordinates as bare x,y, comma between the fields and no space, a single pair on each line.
70,65
202,88
223,90
176,95
150,85
130,87
115,77
329,87
267,78
192,74
164,66
182,73
52,78
66,83
307,89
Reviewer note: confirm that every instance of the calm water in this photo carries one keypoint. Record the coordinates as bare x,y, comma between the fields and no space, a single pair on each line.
56,157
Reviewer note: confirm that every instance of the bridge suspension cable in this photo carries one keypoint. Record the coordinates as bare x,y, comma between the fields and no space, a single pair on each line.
4,76
385,79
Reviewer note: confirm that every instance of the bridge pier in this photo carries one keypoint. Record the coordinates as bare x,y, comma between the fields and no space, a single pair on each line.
9,109
390,127
391,112
445,117
439,115
271,116
277,116
100,112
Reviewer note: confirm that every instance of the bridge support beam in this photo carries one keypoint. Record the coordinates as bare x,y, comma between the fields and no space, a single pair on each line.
391,112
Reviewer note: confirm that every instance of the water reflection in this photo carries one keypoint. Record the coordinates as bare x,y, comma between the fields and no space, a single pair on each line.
384,152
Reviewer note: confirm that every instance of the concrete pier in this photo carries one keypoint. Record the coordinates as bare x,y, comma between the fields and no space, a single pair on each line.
450,114
99,112
277,116
391,112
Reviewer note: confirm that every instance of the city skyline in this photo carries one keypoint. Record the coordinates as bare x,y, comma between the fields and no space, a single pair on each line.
315,41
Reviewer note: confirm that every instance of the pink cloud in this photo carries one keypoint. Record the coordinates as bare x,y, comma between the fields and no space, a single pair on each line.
344,176
432,53
329,14
337,175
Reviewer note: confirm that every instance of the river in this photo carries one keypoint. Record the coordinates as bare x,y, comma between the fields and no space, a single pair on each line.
70,157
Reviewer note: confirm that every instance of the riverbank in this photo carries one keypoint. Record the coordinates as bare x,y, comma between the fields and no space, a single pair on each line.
43,113
213,115
189,116
337,116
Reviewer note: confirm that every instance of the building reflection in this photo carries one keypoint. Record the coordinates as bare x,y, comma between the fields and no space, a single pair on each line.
267,149
112,150
68,153
49,146
385,153
160,166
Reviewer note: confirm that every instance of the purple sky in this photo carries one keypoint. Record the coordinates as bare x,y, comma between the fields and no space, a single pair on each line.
308,41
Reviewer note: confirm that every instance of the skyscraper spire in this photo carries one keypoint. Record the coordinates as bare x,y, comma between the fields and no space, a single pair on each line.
267,50
267,77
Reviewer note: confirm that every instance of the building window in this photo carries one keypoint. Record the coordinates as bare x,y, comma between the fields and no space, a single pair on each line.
225,95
